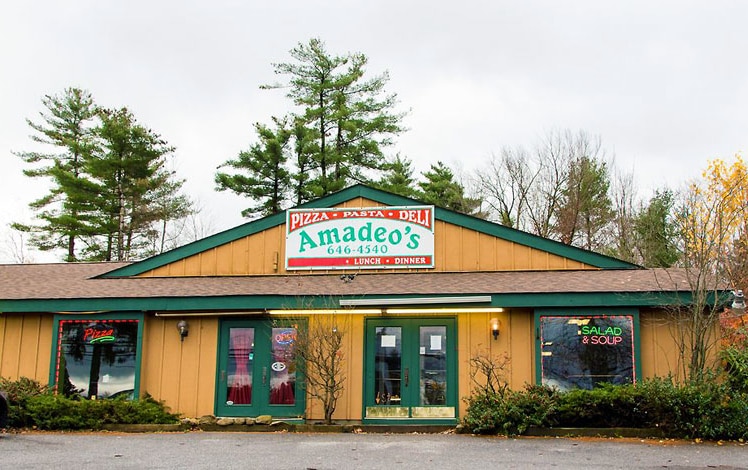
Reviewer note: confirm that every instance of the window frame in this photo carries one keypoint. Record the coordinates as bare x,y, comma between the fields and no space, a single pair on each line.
582,312
56,341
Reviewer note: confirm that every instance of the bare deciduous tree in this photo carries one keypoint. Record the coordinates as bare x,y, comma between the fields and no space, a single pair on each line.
319,352
506,185
17,247
488,372
622,238
707,224
561,192
553,158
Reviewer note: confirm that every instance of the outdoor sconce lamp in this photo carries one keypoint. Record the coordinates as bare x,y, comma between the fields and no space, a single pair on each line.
738,301
495,324
184,329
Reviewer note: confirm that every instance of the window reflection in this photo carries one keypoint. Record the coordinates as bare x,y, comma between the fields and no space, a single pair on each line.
433,355
387,365
582,351
97,358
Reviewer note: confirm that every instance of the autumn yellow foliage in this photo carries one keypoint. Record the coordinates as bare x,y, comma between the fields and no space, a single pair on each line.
713,217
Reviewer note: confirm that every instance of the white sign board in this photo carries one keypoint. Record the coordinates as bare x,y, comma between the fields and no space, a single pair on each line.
367,238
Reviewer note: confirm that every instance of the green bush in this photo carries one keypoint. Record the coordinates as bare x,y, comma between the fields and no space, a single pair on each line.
610,406
19,391
54,412
509,412
33,405
736,366
709,410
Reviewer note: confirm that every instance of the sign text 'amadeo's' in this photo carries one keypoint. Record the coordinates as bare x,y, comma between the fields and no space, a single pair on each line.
371,238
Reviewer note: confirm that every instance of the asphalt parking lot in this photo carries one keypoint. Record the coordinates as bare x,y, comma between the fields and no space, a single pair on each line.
198,450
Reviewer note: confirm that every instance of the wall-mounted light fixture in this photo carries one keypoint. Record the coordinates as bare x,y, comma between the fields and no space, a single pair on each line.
738,300
184,329
495,325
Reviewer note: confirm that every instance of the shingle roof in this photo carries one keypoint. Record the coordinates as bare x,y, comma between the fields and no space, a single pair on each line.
78,281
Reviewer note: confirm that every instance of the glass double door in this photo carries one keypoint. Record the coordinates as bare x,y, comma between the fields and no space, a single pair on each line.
410,369
257,373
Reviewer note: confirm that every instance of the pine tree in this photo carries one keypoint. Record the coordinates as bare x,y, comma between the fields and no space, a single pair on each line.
266,179
586,208
441,189
68,127
348,119
655,232
398,178
129,171
112,197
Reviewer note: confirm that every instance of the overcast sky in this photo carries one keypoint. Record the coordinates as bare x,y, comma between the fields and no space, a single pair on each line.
663,83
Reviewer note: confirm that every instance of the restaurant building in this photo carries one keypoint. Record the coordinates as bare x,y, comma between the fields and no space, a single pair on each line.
209,327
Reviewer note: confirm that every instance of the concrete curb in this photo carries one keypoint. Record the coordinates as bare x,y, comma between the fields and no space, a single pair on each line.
281,426
595,432
145,428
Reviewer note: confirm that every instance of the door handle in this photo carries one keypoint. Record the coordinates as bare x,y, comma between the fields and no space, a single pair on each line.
223,376
264,375
407,376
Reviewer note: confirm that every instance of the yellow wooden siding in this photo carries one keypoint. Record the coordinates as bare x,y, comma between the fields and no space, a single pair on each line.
182,374
352,406
456,249
659,348
521,336
514,348
25,346
349,406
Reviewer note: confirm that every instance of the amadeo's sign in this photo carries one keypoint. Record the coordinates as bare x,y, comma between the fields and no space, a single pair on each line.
367,238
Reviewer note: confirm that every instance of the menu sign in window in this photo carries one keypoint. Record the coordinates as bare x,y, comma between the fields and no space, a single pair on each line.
582,351
366,238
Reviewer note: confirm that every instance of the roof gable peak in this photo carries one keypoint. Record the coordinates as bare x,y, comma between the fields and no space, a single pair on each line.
386,199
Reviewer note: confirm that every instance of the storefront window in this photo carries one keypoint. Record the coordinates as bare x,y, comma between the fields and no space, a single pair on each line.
97,358
585,350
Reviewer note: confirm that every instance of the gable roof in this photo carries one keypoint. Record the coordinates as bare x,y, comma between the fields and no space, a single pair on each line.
386,199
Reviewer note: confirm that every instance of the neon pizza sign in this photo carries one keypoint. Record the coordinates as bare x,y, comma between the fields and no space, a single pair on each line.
98,333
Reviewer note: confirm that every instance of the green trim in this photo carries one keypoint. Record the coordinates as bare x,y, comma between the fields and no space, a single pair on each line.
262,355
410,358
261,302
198,246
581,312
139,316
517,236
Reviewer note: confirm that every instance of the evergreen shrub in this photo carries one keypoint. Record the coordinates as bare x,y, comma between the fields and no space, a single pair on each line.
709,409
34,405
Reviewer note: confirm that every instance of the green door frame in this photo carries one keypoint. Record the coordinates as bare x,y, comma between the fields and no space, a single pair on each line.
426,414
262,367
